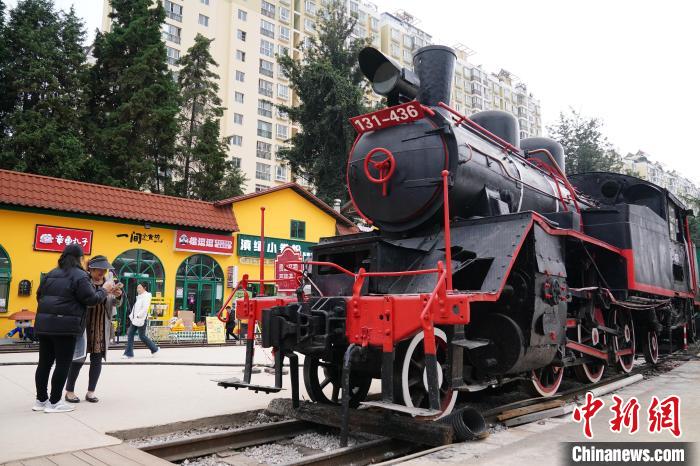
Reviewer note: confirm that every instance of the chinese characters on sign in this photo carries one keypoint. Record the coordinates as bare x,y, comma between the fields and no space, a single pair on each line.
203,242
283,263
54,239
661,415
249,246
138,238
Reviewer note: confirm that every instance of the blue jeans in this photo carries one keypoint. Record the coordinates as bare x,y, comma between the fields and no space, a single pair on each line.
129,351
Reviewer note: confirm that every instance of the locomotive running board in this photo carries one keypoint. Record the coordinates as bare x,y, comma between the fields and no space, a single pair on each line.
415,412
237,383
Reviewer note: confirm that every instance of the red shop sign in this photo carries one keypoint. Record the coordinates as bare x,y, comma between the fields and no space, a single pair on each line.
55,239
203,242
286,279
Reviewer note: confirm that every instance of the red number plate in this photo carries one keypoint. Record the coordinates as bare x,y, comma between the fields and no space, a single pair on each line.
392,116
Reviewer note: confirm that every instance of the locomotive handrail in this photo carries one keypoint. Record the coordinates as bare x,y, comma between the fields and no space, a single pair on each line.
463,118
556,166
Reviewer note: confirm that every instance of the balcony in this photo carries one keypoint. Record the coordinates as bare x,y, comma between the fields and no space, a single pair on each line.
172,60
174,16
265,92
264,134
266,72
267,33
263,154
171,37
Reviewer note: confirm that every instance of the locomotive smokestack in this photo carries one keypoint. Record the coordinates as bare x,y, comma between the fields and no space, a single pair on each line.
434,66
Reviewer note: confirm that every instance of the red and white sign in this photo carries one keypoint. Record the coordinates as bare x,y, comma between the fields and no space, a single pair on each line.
55,239
203,242
388,117
286,278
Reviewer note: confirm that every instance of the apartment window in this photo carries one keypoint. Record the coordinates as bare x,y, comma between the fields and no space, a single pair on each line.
172,54
281,114
262,171
407,55
267,68
264,129
282,131
284,14
264,150
395,50
240,55
204,2
265,108
242,15
297,229
374,24
238,97
261,187
267,28
309,25
283,91
204,20
173,10
281,173
476,102
310,7
171,33
282,50
359,30
267,48
267,9
284,33
408,41
241,35
395,34
354,7
236,140
265,87
237,119
240,76
236,162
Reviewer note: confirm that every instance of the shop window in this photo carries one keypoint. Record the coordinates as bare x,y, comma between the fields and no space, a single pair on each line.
199,286
297,229
5,277
131,268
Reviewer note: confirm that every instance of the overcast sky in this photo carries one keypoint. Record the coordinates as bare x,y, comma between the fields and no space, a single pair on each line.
632,63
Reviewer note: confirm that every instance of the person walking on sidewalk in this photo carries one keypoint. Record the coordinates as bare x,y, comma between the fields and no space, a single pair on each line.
63,296
138,322
99,325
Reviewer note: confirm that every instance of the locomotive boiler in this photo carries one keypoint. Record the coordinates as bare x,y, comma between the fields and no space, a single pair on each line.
487,264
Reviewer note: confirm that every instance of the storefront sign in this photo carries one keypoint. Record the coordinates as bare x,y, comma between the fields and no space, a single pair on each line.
138,238
282,265
249,246
231,276
203,242
55,239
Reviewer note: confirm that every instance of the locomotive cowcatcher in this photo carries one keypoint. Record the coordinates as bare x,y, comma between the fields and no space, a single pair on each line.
487,263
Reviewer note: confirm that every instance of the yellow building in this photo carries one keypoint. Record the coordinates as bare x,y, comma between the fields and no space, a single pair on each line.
189,253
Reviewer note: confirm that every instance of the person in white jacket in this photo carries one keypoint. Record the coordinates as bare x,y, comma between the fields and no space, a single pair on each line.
138,316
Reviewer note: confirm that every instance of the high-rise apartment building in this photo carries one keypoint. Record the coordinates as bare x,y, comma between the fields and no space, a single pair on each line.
248,34
643,166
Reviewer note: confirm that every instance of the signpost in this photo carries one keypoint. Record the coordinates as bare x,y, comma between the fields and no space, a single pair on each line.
286,279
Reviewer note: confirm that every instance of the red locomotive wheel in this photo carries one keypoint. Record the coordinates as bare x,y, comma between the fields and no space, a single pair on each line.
592,372
624,341
411,380
545,381
651,347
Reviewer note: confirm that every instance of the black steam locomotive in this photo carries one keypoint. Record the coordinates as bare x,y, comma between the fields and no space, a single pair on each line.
487,264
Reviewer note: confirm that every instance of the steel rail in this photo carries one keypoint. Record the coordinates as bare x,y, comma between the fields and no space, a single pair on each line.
370,452
208,444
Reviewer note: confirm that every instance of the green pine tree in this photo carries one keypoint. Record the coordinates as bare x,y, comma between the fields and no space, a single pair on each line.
42,91
5,94
200,103
133,100
329,85
213,177
585,146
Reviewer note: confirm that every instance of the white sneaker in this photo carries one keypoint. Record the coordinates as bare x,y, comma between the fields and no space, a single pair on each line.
155,353
39,405
124,356
59,407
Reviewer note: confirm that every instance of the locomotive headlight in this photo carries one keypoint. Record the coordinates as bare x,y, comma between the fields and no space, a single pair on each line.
397,84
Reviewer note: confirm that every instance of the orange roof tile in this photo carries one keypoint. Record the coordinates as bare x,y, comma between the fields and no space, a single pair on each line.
44,192
302,192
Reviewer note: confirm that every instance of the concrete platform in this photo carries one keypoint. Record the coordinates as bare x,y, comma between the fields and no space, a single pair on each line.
117,455
541,443
132,394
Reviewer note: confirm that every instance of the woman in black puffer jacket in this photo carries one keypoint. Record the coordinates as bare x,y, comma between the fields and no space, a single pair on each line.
63,296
